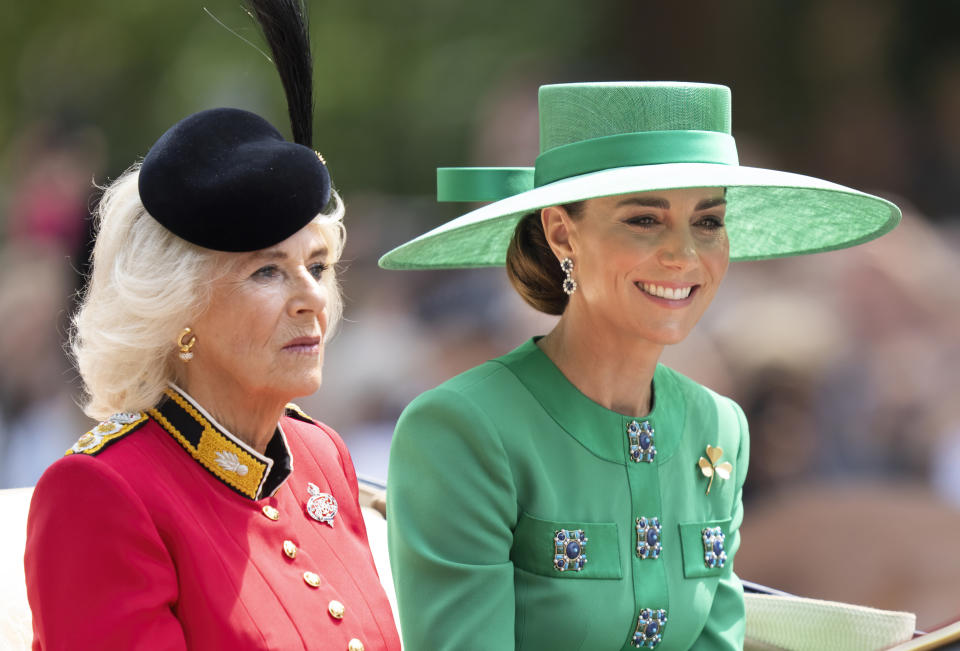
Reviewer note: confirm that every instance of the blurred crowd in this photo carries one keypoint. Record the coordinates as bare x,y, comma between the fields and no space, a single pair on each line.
45,218
846,363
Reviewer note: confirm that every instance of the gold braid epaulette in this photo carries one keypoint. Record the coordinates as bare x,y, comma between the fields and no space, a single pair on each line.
108,432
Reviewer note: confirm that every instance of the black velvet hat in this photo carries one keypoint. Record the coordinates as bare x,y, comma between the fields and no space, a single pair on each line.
225,178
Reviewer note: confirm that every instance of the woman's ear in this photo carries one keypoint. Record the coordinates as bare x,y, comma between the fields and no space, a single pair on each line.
557,228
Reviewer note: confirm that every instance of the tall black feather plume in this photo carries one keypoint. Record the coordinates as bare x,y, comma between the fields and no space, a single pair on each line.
285,26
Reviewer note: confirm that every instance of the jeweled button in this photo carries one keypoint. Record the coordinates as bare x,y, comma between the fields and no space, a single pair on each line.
336,609
573,549
355,645
312,579
289,549
271,512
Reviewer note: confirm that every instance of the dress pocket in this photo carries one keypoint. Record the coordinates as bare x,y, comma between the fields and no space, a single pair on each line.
704,547
554,548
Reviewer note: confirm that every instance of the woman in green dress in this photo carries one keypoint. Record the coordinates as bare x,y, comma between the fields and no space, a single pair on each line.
575,493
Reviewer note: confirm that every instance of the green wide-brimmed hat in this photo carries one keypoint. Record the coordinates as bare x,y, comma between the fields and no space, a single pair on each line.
603,139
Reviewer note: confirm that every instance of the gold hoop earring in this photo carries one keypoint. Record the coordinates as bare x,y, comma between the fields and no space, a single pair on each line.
186,347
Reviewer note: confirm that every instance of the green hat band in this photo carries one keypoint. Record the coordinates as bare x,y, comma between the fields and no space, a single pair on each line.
593,155
482,183
629,149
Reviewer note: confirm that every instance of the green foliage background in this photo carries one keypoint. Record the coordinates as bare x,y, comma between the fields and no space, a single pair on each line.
399,83
393,80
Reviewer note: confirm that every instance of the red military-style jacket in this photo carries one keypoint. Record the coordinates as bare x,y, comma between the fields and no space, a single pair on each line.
161,530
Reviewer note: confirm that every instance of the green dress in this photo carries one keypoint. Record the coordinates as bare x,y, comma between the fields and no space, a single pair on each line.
495,473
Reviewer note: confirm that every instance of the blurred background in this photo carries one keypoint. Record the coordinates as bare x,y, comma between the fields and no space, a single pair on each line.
846,363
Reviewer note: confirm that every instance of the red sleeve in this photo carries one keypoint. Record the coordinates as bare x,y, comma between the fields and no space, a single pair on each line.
98,574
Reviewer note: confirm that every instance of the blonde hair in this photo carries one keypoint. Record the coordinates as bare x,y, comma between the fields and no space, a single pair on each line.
145,286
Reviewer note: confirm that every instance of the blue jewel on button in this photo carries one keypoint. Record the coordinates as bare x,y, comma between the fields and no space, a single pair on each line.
648,538
714,555
568,550
640,436
650,625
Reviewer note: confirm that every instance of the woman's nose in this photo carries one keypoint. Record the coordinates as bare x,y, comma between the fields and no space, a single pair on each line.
678,250
309,294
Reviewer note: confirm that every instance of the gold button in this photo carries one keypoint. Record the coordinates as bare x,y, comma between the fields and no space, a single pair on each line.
289,548
336,609
312,579
86,439
271,513
355,645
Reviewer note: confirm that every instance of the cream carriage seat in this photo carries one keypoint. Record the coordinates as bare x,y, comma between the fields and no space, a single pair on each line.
16,624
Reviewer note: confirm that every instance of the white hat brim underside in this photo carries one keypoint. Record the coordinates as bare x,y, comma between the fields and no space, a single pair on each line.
769,214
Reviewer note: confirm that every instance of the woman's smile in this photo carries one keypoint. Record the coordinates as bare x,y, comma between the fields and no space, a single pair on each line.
668,294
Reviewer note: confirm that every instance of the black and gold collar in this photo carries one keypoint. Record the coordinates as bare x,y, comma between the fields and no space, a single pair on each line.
225,456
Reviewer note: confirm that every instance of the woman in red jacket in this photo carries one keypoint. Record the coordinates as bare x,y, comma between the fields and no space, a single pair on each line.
205,511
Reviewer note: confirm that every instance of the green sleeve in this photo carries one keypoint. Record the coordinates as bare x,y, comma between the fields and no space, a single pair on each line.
726,622
451,509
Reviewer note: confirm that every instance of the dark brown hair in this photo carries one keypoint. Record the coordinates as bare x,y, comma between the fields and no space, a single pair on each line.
533,269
